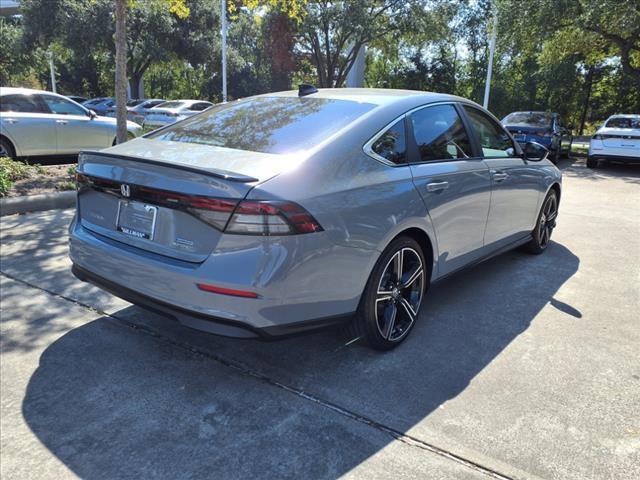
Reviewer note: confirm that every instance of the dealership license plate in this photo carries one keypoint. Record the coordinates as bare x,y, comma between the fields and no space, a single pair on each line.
136,219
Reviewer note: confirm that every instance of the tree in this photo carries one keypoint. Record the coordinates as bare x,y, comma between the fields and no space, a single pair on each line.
121,70
87,28
332,33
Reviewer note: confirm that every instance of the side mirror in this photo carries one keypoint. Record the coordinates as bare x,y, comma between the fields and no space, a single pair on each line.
535,152
92,114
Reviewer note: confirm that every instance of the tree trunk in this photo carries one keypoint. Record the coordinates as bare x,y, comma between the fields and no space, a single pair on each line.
279,46
585,106
135,86
121,70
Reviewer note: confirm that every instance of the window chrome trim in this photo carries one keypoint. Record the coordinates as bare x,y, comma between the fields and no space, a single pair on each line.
368,147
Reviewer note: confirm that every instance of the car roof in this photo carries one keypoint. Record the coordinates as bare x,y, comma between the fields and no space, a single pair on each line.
624,115
533,111
22,91
28,91
377,96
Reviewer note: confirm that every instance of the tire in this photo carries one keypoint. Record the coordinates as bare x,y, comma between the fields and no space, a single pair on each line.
592,162
546,222
388,312
6,149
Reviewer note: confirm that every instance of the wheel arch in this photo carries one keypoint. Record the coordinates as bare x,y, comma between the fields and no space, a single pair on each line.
11,144
555,186
425,242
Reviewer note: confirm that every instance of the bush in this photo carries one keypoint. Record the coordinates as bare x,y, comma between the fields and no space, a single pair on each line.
12,170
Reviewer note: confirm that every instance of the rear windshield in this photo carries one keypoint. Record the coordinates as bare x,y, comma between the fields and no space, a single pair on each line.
622,122
267,124
535,119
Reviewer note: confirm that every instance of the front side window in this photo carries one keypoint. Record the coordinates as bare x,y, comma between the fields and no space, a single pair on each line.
493,139
267,124
440,134
22,104
60,106
392,144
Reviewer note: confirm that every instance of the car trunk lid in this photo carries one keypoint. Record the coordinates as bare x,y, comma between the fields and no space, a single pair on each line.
166,200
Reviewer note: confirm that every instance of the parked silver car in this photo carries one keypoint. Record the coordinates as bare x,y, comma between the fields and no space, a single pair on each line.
137,109
35,122
172,111
286,212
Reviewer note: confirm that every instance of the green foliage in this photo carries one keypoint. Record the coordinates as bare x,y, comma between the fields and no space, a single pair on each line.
580,58
12,170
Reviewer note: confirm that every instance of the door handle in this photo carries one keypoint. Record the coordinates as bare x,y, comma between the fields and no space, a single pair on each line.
499,176
11,120
62,122
437,186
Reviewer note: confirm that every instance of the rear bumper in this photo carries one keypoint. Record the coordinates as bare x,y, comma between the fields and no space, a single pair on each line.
303,283
207,323
614,158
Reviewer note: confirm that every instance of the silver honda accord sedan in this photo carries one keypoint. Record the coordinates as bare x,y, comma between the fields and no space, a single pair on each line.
287,212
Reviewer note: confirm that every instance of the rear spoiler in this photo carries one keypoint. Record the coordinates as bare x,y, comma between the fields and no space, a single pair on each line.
211,172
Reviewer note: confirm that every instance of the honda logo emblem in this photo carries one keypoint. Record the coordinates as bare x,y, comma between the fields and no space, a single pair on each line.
125,190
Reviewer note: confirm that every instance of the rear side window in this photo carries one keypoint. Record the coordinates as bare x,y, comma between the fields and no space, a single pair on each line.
440,134
267,124
22,104
493,139
392,144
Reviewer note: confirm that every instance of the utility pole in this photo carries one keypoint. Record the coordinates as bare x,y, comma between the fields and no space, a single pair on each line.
223,20
52,71
492,49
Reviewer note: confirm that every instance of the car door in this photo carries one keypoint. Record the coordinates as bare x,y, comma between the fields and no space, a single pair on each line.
516,184
76,130
27,121
454,184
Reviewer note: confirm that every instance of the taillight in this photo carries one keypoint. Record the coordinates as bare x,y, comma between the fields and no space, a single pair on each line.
271,218
259,217
214,211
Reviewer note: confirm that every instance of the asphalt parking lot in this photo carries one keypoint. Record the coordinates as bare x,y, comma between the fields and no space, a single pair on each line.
522,367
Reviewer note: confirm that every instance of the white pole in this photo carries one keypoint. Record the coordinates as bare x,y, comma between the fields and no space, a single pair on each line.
223,19
492,49
52,71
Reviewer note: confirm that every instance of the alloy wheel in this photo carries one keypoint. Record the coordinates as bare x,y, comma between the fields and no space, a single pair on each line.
399,294
547,221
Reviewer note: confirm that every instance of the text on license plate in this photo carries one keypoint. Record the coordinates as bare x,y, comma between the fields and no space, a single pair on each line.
136,219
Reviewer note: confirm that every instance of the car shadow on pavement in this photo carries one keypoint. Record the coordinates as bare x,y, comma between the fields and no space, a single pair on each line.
142,396
574,167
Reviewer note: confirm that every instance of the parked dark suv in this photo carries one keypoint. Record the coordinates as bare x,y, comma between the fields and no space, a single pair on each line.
545,128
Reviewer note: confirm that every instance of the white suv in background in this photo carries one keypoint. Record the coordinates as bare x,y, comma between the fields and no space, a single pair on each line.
617,140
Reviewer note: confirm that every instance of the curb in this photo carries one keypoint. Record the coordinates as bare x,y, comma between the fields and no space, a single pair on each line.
37,203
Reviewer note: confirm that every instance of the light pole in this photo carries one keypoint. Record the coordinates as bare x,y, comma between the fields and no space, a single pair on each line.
52,71
492,49
223,20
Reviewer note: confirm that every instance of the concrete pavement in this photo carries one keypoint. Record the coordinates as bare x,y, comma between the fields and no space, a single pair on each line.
523,367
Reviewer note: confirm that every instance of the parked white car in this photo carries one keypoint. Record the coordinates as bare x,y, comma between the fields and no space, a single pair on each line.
617,140
172,111
35,122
